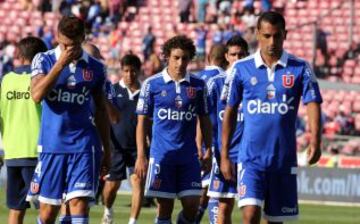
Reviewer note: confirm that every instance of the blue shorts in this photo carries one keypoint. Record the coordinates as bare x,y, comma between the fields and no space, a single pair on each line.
169,180
120,160
18,184
219,187
62,177
276,191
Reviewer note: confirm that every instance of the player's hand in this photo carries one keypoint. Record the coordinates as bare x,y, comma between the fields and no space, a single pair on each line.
313,153
227,169
68,55
206,161
105,163
141,166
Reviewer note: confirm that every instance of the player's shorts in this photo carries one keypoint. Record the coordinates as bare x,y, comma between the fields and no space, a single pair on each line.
171,180
120,160
276,191
219,187
62,177
205,179
18,184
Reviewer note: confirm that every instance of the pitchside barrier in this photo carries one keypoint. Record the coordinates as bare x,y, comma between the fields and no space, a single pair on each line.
329,185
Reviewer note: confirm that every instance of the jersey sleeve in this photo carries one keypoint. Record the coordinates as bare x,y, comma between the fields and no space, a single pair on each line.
233,88
212,96
40,65
109,91
203,107
145,105
310,86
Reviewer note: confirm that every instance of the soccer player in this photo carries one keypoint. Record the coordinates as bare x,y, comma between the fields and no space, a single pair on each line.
174,99
235,49
123,138
217,64
65,80
225,190
270,84
19,132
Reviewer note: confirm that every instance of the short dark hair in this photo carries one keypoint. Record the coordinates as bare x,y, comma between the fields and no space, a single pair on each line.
237,40
179,42
28,47
71,27
131,60
217,54
274,18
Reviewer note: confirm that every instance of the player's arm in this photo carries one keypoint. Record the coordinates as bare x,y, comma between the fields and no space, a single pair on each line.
41,84
103,126
199,140
314,115
206,132
142,131
228,127
113,113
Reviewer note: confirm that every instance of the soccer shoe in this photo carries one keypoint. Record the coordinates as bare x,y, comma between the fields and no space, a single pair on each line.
107,219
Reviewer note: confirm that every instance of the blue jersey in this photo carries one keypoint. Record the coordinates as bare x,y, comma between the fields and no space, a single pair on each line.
174,107
67,123
217,103
270,100
206,75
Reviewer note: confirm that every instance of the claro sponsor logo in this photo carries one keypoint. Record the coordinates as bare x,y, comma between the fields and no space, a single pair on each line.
259,107
240,116
15,95
175,115
61,95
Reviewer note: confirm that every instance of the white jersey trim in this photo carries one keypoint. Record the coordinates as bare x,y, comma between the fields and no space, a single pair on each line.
159,194
189,193
78,194
250,201
214,194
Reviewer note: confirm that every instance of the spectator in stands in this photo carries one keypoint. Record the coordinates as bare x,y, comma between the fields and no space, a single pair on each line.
230,32
184,9
148,43
201,10
218,36
153,65
250,37
265,4
200,43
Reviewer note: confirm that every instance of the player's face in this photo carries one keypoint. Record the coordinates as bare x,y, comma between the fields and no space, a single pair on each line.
65,42
271,39
178,62
234,53
129,74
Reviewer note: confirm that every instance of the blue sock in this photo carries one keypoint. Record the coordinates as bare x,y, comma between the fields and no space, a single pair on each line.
213,209
162,221
79,219
64,219
200,213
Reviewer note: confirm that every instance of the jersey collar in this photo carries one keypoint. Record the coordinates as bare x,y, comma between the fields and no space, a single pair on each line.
282,61
167,77
84,56
130,94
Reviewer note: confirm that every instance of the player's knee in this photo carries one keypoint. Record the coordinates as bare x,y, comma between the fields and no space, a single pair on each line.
251,214
79,206
47,214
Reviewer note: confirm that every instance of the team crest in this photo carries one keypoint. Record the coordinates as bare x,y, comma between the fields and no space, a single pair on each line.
242,190
288,80
34,187
71,82
191,92
157,183
270,92
178,102
163,93
87,75
216,184
253,81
